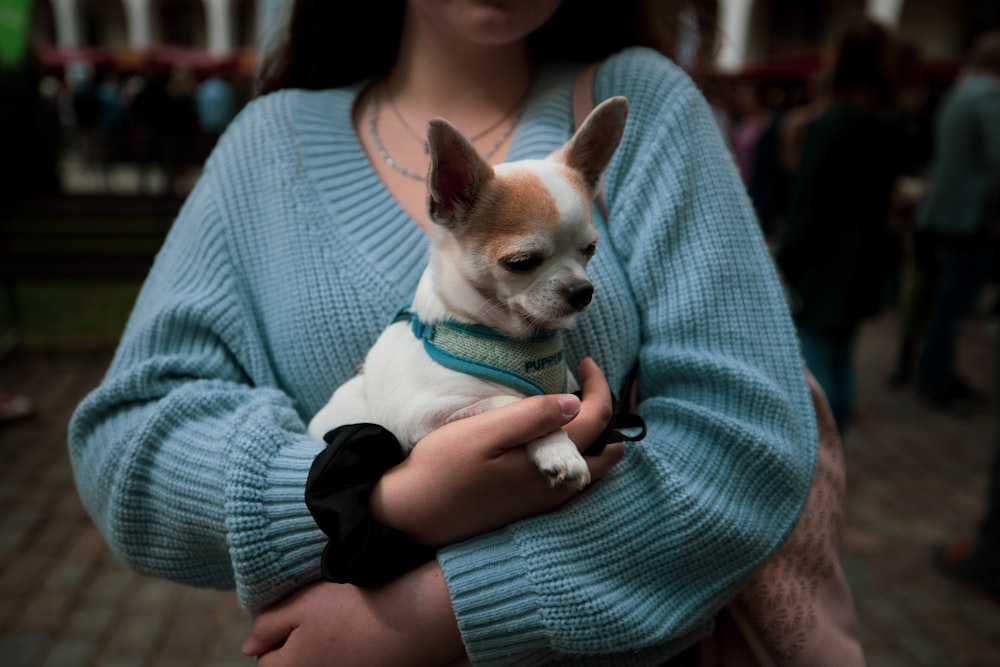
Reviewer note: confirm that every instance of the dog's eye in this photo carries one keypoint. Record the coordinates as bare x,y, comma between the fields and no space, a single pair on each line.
589,251
522,263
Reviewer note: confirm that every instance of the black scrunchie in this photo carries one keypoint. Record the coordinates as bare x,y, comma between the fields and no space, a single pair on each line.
361,551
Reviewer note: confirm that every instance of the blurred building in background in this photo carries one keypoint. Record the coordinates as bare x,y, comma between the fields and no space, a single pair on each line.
748,32
110,69
125,34
755,31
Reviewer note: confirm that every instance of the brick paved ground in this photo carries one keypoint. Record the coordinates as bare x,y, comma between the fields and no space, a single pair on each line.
916,477
65,601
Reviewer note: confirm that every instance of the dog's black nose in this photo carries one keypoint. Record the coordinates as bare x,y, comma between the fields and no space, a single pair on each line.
578,295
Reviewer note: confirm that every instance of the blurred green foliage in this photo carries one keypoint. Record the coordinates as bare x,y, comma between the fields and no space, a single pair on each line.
68,314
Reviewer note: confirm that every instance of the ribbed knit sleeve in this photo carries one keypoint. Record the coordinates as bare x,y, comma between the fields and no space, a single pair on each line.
638,565
188,457
290,257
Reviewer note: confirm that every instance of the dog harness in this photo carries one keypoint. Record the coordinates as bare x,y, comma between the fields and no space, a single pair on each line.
534,366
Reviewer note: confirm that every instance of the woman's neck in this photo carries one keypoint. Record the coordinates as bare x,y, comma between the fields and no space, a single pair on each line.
470,84
479,87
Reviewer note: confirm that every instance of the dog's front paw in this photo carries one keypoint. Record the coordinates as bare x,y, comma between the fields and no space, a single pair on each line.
558,459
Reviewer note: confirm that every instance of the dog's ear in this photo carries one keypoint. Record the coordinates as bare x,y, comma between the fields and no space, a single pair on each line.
457,174
590,150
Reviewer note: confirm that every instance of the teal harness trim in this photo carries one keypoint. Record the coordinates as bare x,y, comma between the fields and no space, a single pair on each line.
533,366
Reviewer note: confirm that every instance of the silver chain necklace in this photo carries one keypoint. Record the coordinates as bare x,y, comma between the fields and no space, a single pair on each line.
391,100
388,159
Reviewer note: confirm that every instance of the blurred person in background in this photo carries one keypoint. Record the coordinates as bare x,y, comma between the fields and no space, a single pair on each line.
975,560
29,134
180,126
112,115
86,106
795,121
835,246
960,215
768,186
216,105
29,145
962,212
751,117
149,107
913,281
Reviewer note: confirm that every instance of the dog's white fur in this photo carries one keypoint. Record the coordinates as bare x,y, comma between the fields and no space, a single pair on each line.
510,253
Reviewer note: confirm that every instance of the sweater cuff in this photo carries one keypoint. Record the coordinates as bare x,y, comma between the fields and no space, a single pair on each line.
274,543
493,599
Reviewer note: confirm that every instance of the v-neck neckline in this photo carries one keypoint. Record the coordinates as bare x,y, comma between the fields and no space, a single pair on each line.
364,209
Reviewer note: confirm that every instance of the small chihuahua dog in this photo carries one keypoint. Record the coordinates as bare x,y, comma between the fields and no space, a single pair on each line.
506,273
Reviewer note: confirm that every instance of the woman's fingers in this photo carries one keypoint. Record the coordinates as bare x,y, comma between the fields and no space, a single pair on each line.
595,414
270,631
512,425
595,409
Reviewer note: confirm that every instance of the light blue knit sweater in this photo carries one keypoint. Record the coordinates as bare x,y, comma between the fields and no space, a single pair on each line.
288,259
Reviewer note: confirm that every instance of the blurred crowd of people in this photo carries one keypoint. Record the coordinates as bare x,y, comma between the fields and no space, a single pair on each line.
168,118
845,177
879,190
766,122
165,119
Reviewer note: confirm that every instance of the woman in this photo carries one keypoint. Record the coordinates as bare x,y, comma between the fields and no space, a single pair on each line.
307,232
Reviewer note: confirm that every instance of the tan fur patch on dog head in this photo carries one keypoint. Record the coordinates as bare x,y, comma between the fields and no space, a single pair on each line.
515,206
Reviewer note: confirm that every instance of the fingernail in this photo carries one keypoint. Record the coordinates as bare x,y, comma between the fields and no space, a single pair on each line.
570,404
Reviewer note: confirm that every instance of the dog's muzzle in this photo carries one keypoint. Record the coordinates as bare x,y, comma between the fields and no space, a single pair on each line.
578,295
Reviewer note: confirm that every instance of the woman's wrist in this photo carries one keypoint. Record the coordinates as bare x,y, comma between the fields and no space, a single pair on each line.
422,602
389,506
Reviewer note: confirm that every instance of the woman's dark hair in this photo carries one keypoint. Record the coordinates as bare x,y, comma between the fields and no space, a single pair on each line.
330,43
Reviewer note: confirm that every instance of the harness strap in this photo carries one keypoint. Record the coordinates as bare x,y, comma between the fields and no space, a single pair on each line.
533,366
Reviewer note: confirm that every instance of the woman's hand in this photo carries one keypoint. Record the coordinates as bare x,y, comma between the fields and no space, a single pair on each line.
473,475
466,478
406,622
